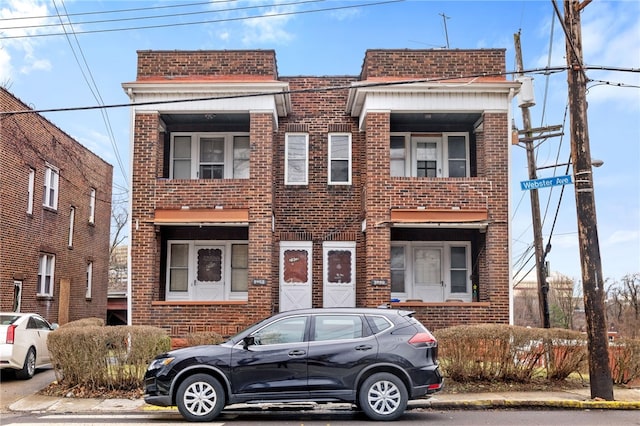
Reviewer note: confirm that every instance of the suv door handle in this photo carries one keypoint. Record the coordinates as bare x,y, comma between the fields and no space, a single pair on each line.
363,347
297,352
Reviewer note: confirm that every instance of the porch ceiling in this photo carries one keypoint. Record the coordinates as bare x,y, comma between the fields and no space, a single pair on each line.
201,217
440,218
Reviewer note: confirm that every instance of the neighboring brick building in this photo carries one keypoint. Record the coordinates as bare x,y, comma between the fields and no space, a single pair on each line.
265,193
55,211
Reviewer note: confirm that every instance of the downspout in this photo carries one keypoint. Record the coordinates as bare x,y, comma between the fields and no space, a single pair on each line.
509,131
131,139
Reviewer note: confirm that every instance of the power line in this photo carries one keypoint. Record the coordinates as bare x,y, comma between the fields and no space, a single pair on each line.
172,15
177,24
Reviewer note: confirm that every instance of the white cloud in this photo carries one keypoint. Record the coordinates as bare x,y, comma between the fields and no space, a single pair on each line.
620,237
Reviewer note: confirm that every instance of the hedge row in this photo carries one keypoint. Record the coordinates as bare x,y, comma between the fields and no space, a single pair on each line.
489,352
99,357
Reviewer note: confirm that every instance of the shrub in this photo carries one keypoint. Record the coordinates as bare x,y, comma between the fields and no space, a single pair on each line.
85,322
204,338
566,352
105,357
489,352
624,357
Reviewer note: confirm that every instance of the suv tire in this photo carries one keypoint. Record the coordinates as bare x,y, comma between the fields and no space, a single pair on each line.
200,398
383,396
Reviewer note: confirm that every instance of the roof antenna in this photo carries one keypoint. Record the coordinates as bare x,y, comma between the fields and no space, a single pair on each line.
446,34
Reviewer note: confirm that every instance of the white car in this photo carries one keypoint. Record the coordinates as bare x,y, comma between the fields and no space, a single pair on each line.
23,343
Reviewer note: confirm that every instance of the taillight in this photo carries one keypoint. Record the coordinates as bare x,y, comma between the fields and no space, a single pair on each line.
11,334
423,339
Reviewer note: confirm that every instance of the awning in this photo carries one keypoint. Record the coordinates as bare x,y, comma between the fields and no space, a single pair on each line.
440,218
204,217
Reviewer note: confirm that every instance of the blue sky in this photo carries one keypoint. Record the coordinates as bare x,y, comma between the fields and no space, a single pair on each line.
86,63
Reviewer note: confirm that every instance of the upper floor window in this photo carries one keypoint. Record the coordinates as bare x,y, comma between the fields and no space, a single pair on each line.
72,223
46,267
50,195
431,272
430,155
339,158
209,156
92,206
89,280
30,189
296,159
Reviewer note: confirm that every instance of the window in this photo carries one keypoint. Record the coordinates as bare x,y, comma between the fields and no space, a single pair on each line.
338,327
30,189
89,280
207,270
46,268
432,155
339,158
286,330
296,156
92,206
72,219
50,195
209,156
431,272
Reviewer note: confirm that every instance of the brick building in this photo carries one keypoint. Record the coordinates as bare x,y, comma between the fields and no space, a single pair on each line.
255,193
55,212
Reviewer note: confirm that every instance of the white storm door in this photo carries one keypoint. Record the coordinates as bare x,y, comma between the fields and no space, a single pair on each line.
209,279
339,283
427,274
295,275
427,156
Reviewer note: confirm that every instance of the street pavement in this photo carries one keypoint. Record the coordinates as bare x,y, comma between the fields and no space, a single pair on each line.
624,399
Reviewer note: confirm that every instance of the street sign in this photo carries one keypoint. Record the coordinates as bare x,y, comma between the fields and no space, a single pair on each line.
545,182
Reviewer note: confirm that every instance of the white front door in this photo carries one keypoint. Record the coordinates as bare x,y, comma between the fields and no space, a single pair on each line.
295,275
209,280
339,275
427,274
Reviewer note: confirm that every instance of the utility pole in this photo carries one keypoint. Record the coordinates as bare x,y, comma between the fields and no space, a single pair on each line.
541,274
592,283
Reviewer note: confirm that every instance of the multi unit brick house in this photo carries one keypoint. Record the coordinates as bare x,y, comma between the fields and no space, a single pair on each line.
255,193
55,213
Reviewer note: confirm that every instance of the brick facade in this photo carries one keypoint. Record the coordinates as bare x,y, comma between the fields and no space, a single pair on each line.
30,142
318,212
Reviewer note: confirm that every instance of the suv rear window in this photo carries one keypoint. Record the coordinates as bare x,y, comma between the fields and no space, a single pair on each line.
378,324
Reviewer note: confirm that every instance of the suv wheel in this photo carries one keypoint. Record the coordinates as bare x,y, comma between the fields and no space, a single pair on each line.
200,398
383,396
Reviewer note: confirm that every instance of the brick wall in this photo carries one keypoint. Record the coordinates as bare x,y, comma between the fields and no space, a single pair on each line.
29,141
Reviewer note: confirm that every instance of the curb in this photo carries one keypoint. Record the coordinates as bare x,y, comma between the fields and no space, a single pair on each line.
557,404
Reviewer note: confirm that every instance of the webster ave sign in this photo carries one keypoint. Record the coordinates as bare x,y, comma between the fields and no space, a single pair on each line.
545,182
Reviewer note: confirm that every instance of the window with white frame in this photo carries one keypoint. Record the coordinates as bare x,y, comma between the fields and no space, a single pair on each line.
46,267
431,272
92,206
207,270
209,156
296,159
89,280
30,190
51,179
72,220
430,155
339,158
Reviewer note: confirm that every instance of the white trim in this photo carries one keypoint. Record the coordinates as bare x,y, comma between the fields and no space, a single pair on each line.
31,189
89,280
445,246
189,295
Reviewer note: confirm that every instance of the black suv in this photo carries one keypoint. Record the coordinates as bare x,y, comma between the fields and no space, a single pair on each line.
377,359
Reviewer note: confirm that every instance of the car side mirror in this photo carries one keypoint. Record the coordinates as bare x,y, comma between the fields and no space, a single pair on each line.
249,341
54,326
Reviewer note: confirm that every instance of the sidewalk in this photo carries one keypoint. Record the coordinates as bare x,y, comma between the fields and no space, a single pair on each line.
625,399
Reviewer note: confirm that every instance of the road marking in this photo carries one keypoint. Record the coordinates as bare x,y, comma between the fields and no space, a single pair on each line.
158,419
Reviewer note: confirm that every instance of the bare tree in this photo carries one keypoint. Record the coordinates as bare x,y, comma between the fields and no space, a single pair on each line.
562,301
623,303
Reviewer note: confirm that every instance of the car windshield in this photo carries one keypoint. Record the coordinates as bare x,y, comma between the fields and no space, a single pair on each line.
8,319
